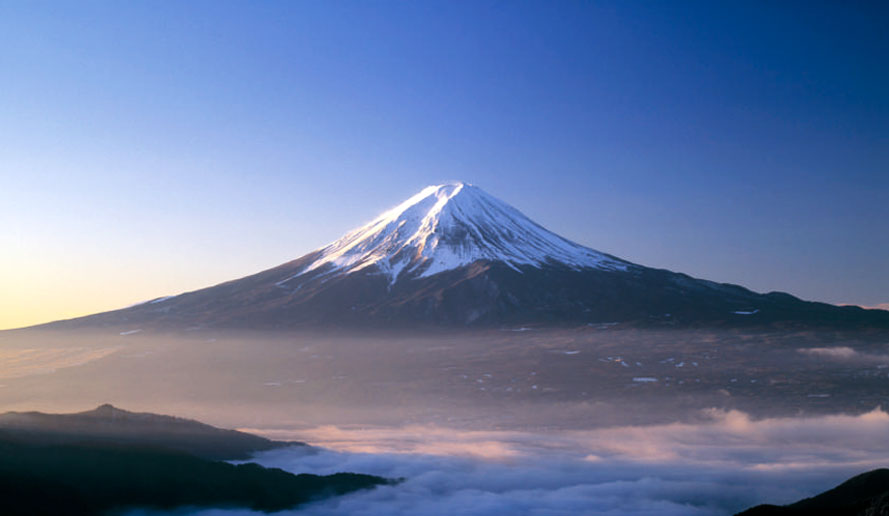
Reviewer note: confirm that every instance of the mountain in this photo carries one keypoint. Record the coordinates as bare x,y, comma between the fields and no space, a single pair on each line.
102,480
863,495
453,255
111,461
108,425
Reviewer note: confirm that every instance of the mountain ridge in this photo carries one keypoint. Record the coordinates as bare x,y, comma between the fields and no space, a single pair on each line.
112,461
866,494
455,256
110,425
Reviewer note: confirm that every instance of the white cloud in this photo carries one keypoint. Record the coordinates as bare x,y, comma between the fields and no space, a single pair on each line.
719,466
839,352
844,353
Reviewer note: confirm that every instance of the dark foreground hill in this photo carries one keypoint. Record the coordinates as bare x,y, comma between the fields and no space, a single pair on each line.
109,460
108,425
864,495
81,480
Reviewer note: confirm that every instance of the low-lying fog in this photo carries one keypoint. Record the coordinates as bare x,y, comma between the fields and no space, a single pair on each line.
716,467
596,420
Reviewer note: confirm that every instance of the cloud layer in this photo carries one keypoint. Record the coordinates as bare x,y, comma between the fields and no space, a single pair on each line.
846,354
718,466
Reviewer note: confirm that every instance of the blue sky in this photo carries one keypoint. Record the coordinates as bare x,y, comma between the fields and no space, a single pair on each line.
148,148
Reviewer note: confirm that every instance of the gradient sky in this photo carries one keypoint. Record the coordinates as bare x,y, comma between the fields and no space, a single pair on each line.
149,148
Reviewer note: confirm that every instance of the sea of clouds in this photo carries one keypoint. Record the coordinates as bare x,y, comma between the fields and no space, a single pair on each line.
718,466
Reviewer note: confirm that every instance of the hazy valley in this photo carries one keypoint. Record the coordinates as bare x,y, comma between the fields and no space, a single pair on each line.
507,378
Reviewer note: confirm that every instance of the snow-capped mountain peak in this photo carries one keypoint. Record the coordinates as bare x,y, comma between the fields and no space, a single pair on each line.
411,267
448,226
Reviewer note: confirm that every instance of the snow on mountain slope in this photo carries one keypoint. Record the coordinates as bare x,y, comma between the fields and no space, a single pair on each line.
448,226
527,276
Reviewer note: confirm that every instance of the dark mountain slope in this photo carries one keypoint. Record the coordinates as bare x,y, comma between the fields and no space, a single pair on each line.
82,480
864,495
107,461
108,425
